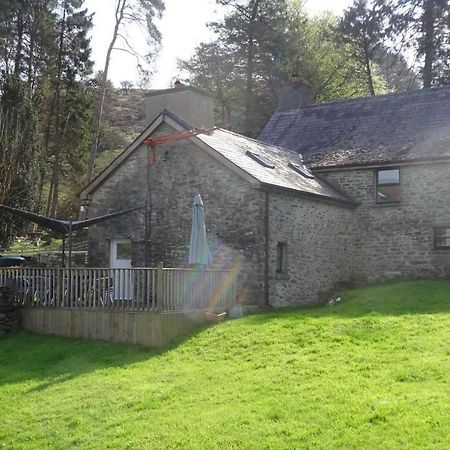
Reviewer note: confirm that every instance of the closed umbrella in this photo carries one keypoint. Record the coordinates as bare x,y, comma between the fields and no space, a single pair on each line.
198,247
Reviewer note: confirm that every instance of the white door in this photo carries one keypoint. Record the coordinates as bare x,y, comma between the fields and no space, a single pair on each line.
120,261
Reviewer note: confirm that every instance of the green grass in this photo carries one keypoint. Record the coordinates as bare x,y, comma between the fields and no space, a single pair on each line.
29,247
371,372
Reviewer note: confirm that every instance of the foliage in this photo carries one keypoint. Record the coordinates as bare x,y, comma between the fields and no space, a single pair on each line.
45,44
31,246
361,28
304,45
19,162
26,38
215,69
370,372
125,86
324,62
66,118
423,28
254,32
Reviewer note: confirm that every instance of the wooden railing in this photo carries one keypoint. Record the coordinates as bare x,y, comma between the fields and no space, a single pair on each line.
136,289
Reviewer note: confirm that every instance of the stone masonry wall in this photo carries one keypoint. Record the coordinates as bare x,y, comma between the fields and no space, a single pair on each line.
396,240
319,248
234,213
10,313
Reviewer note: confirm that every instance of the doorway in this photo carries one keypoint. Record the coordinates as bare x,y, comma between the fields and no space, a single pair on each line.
120,263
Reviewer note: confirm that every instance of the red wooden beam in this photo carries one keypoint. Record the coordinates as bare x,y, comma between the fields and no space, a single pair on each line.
178,136
153,141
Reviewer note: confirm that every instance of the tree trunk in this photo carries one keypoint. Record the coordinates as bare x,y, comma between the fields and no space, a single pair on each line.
52,201
428,43
20,29
369,76
249,72
120,8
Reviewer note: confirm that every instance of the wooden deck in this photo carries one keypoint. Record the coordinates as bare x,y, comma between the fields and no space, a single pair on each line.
146,306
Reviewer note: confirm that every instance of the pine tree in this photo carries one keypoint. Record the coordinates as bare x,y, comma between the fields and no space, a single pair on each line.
254,31
19,161
423,27
70,64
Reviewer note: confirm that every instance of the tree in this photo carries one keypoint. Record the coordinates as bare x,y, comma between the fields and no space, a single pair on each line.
25,38
363,30
423,28
214,68
126,86
305,45
255,31
393,68
19,162
434,42
324,63
71,63
140,12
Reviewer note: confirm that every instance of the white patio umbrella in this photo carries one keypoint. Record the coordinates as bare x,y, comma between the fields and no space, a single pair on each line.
198,246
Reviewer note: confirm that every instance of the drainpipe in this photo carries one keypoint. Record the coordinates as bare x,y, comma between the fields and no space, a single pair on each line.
266,249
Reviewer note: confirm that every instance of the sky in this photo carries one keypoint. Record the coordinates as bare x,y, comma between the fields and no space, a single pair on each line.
183,27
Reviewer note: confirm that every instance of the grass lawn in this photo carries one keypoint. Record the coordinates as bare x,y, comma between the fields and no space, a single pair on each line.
371,372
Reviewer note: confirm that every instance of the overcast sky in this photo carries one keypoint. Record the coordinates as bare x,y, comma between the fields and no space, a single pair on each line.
183,27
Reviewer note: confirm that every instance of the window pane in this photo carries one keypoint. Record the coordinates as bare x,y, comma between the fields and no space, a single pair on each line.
388,194
124,250
442,237
391,176
281,257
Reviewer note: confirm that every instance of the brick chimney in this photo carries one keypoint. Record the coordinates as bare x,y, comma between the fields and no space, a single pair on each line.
193,105
295,95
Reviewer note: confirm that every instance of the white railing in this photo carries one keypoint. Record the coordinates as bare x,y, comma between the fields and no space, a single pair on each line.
136,289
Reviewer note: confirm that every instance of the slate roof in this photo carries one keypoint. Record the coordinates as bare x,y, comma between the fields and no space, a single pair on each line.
409,126
234,147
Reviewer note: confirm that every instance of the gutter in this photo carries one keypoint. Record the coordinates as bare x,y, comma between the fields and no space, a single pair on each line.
342,202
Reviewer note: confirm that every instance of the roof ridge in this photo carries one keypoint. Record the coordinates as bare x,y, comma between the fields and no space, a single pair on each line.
370,98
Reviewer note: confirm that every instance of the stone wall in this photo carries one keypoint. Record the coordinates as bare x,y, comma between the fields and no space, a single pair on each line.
234,213
327,244
396,240
10,314
54,259
319,245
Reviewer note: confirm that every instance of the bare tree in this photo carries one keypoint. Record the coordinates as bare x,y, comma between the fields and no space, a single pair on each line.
126,86
141,12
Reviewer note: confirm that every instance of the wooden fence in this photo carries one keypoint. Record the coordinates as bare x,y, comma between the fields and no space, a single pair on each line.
137,289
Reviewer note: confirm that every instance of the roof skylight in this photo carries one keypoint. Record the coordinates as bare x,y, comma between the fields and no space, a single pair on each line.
301,169
260,159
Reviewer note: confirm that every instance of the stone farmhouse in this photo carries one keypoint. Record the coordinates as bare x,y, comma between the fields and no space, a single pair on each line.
330,194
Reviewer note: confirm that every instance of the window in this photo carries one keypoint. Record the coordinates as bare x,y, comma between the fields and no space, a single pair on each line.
442,237
388,185
123,250
281,257
260,159
302,170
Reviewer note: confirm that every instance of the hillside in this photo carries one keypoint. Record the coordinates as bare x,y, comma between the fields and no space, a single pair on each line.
125,111
124,119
